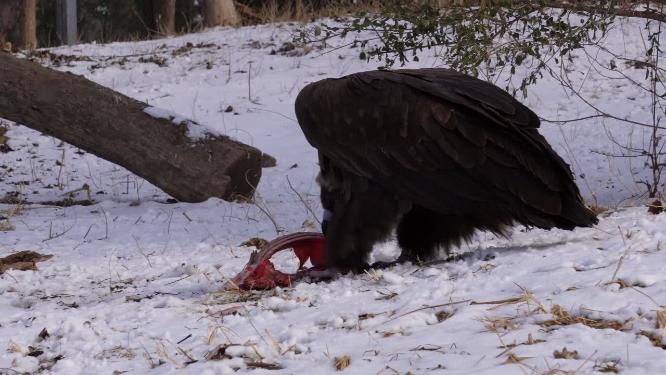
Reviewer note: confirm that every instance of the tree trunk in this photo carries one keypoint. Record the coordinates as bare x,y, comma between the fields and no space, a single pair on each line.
18,24
298,10
221,13
165,16
66,26
119,129
28,34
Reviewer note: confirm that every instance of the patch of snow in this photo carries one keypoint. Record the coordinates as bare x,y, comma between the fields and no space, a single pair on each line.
195,131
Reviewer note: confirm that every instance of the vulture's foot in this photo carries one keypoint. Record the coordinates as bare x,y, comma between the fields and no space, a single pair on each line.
401,260
260,273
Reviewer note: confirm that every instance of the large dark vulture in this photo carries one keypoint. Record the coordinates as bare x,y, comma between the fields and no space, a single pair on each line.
434,152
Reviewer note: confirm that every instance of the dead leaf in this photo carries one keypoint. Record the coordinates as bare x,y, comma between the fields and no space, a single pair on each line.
218,353
257,242
656,207
342,363
442,315
504,324
234,310
43,335
22,261
5,224
34,351
565,354
13,347
365,316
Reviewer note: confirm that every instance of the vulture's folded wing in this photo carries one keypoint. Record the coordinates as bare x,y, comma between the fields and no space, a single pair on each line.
445,140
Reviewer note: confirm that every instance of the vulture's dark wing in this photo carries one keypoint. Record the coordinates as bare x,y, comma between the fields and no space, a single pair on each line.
446,141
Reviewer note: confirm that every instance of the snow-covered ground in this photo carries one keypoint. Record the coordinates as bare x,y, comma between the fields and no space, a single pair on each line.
134,284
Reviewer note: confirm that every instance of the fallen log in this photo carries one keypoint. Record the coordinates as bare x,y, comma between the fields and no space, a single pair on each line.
177,155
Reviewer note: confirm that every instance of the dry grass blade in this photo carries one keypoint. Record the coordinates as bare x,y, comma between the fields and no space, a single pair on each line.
427,307
184,352
564,318
218,353
342,363
661,320
508,301
385,295
598,210
233,294
366,316
153,363
514,359
508,347
263,365
426,348
532,341
654,338
115,353
621,260
527,297
556,371
162,352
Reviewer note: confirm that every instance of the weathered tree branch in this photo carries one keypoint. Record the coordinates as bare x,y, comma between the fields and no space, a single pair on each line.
619,8
118,129
621,11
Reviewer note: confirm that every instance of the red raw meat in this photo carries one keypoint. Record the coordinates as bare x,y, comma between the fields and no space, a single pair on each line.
260,273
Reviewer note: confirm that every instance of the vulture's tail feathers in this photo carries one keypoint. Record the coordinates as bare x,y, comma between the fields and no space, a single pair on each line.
577,214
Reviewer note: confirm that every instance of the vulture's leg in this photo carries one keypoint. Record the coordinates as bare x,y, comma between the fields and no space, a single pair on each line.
365,216
421,231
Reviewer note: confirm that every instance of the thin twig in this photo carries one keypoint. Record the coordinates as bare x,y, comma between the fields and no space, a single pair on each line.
307,206
426,308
